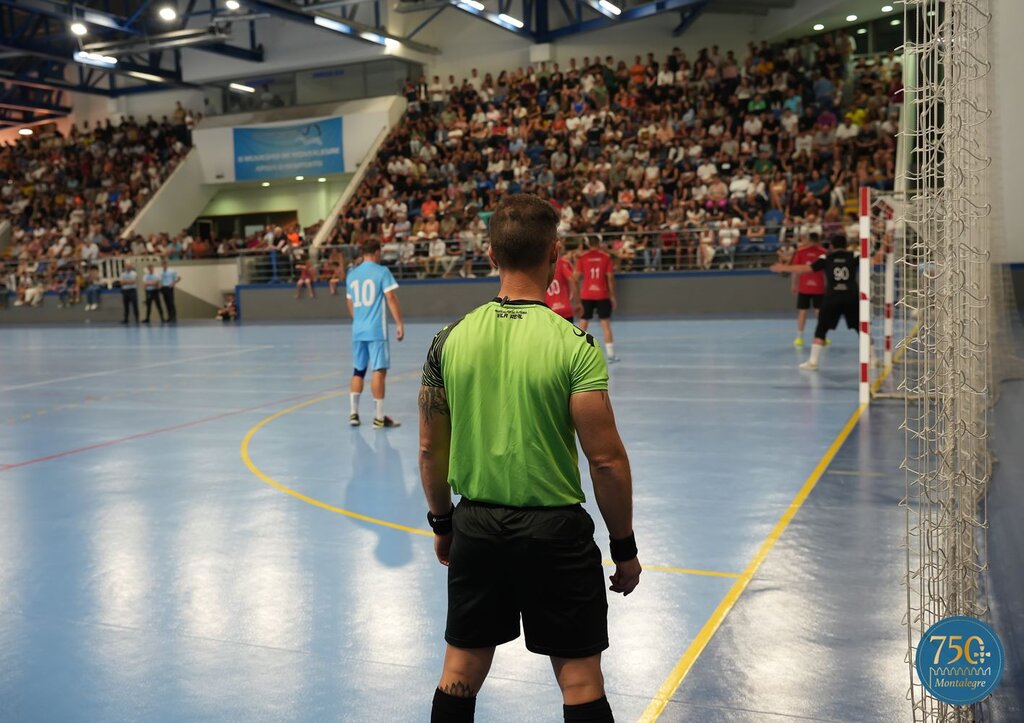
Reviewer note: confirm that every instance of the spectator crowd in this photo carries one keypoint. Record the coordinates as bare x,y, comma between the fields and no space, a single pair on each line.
68,199
679,162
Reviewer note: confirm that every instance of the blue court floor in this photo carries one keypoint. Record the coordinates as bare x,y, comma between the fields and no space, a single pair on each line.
189,530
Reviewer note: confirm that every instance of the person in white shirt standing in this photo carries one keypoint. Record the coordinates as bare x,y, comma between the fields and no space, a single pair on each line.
169,278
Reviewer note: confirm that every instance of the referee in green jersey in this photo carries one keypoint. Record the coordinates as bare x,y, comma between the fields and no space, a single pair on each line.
505,392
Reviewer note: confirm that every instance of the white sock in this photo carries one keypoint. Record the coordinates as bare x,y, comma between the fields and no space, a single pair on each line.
380,408
610,348
816,353
353,399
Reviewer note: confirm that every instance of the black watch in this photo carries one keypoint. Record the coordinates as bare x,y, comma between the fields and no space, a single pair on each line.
440,524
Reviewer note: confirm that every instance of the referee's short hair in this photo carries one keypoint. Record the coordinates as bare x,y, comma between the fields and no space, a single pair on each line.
523,228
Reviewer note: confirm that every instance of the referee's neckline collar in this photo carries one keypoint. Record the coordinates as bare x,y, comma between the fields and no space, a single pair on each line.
505,301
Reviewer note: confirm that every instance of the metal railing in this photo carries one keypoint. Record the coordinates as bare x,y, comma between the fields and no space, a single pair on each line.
690,249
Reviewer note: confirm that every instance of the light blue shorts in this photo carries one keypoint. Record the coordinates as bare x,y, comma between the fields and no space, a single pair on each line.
371,355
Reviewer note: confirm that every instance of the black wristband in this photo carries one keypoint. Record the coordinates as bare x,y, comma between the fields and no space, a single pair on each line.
441,525
623,550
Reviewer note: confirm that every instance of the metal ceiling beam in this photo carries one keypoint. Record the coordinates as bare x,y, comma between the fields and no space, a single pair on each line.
28,48
109,21
25,107
50,83
336,25
688,17
175,39
635,13
488,16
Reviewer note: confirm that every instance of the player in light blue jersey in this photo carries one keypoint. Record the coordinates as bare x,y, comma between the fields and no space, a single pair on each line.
367,287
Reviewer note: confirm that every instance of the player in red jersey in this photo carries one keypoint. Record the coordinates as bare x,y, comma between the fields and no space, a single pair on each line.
563,296
596,278
810,287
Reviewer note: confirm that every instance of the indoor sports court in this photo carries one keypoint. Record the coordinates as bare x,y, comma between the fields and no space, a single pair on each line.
234,550
783,232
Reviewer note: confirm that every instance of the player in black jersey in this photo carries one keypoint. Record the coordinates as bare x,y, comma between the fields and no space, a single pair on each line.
842,296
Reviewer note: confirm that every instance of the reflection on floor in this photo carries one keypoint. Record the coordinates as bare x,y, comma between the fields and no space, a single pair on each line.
153,566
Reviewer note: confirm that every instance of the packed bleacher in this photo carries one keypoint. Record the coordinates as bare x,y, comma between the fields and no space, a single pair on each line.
68,199
680,162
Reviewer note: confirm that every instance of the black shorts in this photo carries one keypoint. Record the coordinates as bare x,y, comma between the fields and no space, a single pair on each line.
540,563
602,306
832,310
806,301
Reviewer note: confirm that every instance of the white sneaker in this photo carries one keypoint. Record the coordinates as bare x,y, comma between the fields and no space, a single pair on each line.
809,366
613,359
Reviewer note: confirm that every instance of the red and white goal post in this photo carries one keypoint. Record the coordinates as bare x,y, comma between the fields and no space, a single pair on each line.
882,241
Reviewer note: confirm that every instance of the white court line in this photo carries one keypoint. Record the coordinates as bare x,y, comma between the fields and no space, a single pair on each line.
106,372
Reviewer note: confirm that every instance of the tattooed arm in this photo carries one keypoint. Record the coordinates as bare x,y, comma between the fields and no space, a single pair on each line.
435,441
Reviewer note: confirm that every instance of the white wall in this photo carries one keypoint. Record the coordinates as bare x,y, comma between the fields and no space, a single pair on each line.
488,48
1007,96
311,200
286,46
208,280
178,201
158,104
363,120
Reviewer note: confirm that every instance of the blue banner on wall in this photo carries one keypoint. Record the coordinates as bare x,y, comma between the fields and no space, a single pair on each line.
289,150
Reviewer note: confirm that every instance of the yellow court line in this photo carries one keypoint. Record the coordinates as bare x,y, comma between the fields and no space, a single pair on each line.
264,477
244,450
671,684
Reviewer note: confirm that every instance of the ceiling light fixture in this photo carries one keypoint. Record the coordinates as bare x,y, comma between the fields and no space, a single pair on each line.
894,21
232,4
79,28
168,13
818,26
862,31
97,59
334,25
887,8
473,4
146,76
321,180
265,184
241,88
25,132
851,18
300,178
514,22
613,9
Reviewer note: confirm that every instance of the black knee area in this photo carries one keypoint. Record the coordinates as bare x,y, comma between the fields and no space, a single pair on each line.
452,709
359,373
821,330
596,711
